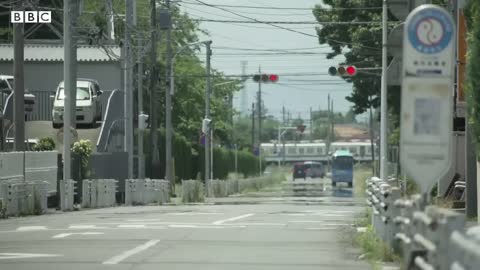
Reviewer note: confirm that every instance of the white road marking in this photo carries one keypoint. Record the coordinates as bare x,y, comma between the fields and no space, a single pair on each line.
131,252
31,228
194,213
64,235
220,222
306,221
196,226
85,227
182,226
6,256
321,229
130,226
257,224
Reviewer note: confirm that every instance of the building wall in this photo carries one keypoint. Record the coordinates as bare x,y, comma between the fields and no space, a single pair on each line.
46,76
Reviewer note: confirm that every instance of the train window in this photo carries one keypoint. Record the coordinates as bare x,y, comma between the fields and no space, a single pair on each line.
291,150
310,150
301,150
320,150
353,150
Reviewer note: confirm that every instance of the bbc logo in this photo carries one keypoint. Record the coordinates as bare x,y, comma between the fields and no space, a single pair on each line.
31,17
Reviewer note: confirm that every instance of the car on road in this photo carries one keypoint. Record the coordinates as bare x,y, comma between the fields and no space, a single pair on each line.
7,85
88,103
314,169
299,171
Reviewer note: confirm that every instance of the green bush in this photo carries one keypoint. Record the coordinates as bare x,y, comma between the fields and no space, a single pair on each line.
83,149
190,159
45,144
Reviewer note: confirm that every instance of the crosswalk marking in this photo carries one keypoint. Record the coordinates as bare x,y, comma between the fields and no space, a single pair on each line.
132,226
85,227
31,228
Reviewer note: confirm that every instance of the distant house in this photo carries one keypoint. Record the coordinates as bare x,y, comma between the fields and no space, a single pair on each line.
44,65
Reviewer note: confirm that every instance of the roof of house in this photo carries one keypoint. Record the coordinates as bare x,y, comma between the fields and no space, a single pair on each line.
55,53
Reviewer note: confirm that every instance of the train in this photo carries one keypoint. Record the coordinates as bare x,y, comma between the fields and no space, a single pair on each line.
316,151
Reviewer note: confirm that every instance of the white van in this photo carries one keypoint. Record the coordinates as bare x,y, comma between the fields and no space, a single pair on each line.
89,107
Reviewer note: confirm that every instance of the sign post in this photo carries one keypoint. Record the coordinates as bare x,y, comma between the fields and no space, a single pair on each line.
427,95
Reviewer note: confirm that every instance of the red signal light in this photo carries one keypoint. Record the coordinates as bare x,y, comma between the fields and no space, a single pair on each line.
351,70
273,78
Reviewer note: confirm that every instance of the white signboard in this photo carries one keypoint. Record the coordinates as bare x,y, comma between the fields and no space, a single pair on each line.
427,95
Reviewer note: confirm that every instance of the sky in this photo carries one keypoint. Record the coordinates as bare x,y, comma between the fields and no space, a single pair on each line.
232,44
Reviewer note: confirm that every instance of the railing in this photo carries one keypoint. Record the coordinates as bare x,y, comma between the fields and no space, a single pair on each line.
427,237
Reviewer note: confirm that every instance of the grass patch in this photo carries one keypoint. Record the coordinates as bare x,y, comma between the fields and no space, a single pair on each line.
374,248
360,175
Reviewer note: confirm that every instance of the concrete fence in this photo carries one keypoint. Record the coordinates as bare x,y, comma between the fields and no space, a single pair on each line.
192,191
23,197
427,237
67,193
146,191
98,193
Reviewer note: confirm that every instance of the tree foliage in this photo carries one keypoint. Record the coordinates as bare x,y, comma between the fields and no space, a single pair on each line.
472,86
361,44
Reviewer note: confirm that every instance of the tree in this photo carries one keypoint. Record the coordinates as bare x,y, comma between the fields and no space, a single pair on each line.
472,85
359,43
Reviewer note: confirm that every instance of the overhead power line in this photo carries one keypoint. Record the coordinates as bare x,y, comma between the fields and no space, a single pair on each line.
287,22
253,19
285,8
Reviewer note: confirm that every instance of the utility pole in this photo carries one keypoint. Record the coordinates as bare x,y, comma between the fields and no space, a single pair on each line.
168,107
372,146
244,97
311,125
208,134
110,20
73,63
259,104
19,91
383,96
283,115
328,124
153,99
129,85
68,88
140,159
253,125
333,123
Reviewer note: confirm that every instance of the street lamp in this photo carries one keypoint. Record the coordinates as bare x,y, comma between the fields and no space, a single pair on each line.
169,131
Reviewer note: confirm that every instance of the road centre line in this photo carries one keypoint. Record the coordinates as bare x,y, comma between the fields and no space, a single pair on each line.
220,222
131,252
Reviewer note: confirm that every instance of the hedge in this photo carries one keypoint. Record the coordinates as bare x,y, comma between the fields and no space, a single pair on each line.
189,159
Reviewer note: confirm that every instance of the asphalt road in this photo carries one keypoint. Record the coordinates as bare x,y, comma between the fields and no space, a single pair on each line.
279,229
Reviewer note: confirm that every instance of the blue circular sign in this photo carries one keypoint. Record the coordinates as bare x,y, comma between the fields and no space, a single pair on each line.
430,30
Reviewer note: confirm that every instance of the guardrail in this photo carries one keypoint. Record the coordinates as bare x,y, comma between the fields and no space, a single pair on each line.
23,197
146,191
98,193
427,237
67,193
